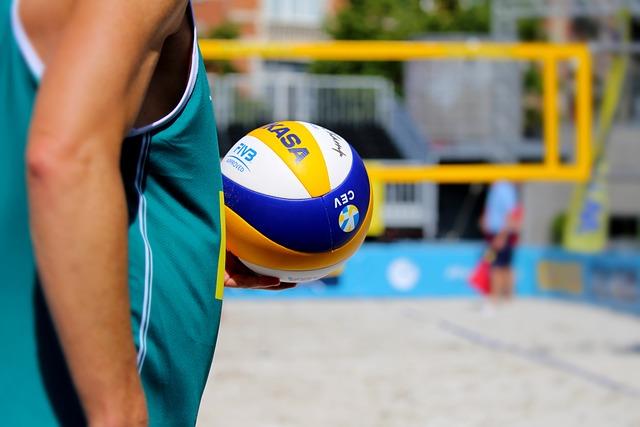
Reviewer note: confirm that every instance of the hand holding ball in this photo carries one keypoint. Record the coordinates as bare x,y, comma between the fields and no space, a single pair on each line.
298,200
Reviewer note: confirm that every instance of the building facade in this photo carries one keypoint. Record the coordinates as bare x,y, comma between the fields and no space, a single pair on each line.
268,19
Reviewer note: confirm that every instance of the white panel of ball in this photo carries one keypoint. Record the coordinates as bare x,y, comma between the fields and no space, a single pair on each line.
254,165
294,276
336,152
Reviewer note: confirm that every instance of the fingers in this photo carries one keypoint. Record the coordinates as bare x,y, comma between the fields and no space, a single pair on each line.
238,275
256,282
282,286
250,281
235,266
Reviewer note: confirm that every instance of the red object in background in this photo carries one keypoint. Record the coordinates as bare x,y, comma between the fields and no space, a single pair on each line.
480,278
517,213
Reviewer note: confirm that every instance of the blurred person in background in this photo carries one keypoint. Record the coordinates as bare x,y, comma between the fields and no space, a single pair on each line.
501,223
110,184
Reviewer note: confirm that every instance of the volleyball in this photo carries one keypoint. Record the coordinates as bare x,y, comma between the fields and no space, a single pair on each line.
298,200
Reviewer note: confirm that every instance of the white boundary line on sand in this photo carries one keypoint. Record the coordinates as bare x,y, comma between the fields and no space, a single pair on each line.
537,357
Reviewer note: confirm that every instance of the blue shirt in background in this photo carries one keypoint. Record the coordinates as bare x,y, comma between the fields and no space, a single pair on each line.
502,199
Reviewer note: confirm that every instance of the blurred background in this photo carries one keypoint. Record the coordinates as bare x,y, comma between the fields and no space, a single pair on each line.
403,336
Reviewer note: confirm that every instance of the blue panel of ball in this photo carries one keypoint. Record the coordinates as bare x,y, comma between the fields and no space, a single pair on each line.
347,204
311,225
300,225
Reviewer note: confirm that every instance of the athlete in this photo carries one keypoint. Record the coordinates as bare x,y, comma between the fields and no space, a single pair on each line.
110,185
501,223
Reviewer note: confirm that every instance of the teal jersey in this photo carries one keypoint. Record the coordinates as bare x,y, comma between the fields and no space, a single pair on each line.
172,180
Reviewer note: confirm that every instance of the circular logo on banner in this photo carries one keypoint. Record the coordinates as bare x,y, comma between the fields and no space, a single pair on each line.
403,274
348,219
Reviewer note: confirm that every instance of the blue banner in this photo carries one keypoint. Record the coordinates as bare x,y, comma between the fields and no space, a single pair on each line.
440,270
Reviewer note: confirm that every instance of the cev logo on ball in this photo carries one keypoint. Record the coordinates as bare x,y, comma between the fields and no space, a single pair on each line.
349,218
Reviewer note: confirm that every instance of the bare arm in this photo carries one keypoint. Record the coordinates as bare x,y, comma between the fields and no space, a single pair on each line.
90,96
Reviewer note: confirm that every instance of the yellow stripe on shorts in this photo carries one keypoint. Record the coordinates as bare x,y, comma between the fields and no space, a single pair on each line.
299,150
222,256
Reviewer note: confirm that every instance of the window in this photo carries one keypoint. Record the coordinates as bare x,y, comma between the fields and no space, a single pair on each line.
308,12
624,229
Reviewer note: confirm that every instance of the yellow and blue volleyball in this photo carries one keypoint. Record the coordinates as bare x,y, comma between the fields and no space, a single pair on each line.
298,200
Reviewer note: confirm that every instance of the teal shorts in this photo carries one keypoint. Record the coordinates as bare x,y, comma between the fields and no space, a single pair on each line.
171,174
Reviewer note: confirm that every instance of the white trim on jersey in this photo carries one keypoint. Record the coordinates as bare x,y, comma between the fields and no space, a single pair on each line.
193,74
148,253
36,66
29,53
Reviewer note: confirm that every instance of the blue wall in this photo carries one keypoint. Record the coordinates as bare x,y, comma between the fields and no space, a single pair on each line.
442,270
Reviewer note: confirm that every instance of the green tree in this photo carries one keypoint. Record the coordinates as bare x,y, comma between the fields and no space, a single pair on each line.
398,20
227,31
454,16
532,30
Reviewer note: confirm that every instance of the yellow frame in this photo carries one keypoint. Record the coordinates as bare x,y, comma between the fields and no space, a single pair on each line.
551,169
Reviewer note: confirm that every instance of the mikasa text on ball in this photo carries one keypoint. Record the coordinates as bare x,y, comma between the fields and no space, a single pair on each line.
298,200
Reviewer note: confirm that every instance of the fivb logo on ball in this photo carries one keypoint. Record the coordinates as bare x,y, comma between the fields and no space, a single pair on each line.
242,154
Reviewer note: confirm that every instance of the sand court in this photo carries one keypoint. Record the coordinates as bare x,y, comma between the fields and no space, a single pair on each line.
415,363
